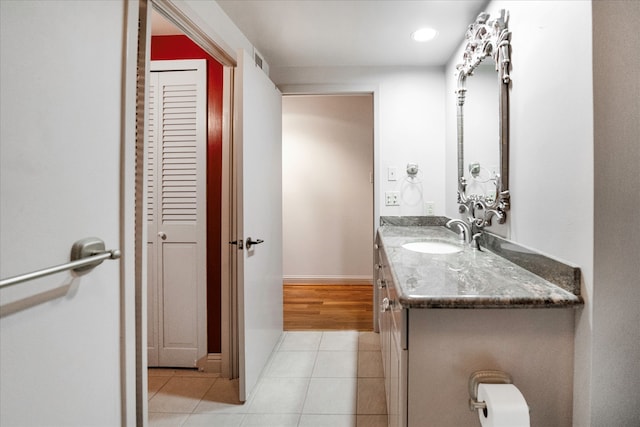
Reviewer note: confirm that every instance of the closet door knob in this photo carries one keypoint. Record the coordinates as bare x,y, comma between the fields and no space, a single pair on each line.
162,235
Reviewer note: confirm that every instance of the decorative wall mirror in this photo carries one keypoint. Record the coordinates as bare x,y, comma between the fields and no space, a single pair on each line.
483,121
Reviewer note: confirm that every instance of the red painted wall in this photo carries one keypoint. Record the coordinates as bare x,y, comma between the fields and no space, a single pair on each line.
181,47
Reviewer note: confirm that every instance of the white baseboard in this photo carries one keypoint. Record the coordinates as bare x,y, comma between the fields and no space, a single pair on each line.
212,362
329,280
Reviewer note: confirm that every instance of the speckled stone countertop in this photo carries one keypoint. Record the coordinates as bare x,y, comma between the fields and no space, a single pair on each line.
467,279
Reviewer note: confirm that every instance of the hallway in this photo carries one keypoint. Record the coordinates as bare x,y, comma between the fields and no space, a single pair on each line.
331,378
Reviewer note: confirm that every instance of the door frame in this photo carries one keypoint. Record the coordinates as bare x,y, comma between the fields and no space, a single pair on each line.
187,25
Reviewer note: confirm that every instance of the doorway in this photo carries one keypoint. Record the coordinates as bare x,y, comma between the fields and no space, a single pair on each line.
176,37
328,207
170,43
185,40
251,268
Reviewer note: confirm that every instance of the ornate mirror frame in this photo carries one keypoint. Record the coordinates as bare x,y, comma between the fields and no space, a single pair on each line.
486,38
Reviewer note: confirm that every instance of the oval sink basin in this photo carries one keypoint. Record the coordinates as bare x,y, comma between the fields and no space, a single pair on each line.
432,247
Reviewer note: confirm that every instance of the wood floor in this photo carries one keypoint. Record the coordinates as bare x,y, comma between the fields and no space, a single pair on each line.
328,307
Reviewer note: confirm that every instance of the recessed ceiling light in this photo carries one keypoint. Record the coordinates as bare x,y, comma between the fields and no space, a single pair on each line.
424,34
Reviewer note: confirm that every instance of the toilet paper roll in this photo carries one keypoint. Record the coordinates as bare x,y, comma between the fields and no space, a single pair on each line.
506,406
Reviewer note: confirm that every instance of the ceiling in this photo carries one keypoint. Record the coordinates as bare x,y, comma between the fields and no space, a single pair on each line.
311,33
317,33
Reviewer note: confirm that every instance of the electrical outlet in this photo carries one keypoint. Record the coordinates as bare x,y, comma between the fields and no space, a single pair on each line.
429,208
392,198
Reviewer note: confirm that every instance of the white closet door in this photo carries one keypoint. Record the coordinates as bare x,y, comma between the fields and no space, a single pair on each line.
177,213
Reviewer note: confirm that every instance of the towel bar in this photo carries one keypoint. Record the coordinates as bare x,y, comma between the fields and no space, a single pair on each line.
85,255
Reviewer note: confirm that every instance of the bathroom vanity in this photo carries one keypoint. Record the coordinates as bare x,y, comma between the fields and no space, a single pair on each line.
445,315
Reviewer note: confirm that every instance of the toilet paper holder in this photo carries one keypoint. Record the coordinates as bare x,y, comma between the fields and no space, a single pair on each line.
486,377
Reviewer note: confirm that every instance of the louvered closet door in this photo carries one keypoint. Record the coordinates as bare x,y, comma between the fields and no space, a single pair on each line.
176,220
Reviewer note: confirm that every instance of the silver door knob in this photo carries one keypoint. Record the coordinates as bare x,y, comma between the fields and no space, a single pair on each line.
162,235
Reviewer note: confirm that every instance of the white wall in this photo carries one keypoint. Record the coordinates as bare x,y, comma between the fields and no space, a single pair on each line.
409,122
551,143
327,147
616,294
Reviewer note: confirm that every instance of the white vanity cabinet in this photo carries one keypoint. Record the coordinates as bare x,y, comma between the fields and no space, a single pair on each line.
391,323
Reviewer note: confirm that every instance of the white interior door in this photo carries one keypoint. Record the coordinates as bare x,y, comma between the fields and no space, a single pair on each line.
176,213
259,218
62,151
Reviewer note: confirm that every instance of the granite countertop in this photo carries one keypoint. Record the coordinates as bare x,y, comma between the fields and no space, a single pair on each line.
467,279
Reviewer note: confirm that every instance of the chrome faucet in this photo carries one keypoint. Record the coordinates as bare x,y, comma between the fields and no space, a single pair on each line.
463,228
466,232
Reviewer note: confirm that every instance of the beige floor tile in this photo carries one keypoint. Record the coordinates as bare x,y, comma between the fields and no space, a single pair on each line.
327,420
279,396
300,341
291,364
336,364
371,396
339,341
368,341
222,397
271,420
195,373
372,421
161,372
158,419
331,396
154,384
370,364
217,420
180,394
313,379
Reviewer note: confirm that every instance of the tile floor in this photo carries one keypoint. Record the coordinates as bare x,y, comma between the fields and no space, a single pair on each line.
312,379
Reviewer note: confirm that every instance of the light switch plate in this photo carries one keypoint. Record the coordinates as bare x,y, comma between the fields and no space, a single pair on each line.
392,174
